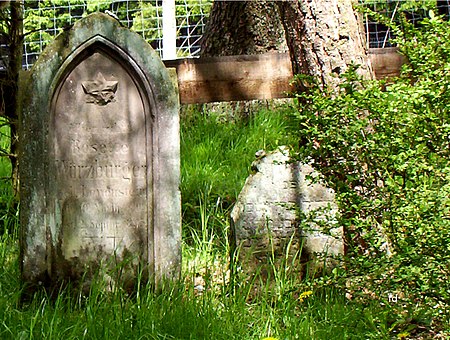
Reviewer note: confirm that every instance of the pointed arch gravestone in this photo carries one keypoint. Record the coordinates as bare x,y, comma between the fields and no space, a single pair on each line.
99,160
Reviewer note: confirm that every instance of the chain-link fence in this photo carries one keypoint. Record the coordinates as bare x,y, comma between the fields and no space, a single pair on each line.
44,19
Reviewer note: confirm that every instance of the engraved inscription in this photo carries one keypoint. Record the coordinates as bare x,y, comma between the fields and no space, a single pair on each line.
112,192
81,146
100,91
108,232
102,167
70,170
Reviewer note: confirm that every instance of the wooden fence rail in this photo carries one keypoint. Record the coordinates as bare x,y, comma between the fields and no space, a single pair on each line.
265,76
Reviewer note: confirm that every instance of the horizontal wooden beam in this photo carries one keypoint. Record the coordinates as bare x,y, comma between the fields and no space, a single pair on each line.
215,79
386,62
265,76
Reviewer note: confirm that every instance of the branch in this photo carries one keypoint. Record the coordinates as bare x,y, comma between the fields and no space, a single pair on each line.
32,31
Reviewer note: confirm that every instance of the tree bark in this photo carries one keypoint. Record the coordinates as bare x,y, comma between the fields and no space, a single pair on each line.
243,27
11,88
324,38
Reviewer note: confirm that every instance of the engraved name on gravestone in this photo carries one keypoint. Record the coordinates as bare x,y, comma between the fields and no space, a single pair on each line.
99,159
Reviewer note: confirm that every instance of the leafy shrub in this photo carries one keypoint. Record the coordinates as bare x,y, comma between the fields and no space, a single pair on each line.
384,147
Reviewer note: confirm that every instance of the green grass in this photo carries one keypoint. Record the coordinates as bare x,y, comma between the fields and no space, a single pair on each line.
180,312
215,162
217,154
8,209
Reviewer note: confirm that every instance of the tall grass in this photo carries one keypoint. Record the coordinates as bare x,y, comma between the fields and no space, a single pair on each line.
217,154
205,304
182,312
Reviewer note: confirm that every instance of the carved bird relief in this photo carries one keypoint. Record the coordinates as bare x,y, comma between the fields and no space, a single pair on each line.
100,91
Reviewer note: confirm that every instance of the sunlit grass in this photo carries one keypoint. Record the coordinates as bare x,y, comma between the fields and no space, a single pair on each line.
181,311
217,154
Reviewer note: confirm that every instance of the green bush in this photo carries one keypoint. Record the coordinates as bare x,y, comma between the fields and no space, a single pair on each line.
384,147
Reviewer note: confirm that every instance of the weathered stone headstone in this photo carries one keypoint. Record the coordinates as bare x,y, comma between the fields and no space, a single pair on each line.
265,218
99,161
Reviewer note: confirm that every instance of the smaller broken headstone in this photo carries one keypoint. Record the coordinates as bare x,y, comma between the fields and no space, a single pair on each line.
266,217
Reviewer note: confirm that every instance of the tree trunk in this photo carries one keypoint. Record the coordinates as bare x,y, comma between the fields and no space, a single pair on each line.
11,87
243,27
324,38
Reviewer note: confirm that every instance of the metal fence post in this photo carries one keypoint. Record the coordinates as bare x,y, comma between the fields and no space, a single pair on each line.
169,30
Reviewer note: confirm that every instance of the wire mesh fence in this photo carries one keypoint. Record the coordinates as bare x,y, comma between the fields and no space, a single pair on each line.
378,35
44,19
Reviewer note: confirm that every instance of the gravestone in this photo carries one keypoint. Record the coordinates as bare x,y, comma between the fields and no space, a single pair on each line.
99,160
266,223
